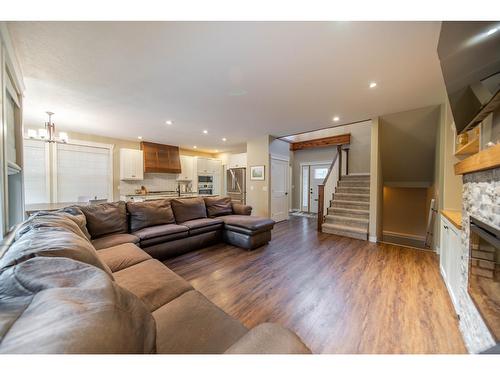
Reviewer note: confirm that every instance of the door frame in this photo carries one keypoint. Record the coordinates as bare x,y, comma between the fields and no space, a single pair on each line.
288,182
308,164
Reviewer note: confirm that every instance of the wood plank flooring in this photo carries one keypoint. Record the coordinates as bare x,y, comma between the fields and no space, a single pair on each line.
340,295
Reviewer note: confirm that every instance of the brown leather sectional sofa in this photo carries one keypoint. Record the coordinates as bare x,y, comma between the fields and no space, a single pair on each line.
58,294
168,227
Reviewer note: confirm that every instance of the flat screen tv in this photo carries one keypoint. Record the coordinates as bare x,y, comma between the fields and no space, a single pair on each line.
469,53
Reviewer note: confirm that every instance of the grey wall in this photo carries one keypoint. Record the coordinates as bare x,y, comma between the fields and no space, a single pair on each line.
359,153
307,156
408,145
279,148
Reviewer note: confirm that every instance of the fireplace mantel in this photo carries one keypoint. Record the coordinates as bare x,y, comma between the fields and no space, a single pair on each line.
483,160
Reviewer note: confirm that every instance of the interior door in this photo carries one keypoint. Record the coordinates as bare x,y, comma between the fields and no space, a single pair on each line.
317,174
279,190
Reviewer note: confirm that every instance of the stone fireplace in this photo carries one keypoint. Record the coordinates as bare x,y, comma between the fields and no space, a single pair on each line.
481,200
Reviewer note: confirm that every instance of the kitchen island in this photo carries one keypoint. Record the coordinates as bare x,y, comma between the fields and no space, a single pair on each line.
151,196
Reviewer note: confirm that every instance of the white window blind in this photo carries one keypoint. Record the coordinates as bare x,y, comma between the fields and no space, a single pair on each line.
320,173
82,171
35,172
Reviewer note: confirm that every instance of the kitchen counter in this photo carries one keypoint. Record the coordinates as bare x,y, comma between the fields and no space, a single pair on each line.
455,217
151,196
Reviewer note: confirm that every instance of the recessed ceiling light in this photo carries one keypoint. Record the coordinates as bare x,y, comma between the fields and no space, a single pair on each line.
139,137
492,31
373,84
169,122
195,147
336,118
224,139
205,131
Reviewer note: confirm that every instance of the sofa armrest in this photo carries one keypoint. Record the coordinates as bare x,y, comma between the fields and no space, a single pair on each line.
269,338
241,209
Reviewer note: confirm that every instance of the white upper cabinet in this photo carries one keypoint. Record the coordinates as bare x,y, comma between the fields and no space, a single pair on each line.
202,166
214,166
207,166
187,168
237,160
131,164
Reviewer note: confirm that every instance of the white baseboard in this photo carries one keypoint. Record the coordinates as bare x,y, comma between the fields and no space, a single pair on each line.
372,239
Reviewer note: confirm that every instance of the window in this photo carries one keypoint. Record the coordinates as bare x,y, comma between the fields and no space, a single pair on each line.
74,172
305,188
36,185
320,173
83,172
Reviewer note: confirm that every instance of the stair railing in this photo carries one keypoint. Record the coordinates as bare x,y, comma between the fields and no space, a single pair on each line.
327,187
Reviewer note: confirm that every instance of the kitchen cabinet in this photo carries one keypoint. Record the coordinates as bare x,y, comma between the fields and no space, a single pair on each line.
160,158
187,168
131,164
206,166
237,160
450,258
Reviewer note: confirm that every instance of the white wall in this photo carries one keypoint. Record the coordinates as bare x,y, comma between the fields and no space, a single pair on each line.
258,191
313,155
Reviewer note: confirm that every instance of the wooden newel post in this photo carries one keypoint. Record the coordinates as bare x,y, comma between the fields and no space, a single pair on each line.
339,151
321,204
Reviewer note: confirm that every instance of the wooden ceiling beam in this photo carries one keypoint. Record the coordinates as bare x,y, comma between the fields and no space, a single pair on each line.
342,139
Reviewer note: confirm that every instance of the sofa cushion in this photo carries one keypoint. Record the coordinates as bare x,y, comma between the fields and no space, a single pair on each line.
122,256
58,305
191,324
114,240
52,242
152,282
241,209
160,231
218,206
269,338
71,218
106,218
198,226
188,209
150,213
247,224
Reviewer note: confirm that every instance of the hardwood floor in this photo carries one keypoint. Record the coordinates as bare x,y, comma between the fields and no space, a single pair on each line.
340,295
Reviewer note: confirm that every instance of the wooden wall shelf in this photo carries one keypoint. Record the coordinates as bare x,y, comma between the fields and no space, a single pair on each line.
469,148
485,159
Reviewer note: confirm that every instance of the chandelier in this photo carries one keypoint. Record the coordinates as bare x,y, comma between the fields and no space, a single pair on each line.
48,133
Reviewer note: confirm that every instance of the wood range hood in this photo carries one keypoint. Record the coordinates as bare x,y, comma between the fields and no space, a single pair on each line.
160,158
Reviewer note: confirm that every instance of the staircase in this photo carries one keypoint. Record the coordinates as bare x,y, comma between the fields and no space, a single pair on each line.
349,210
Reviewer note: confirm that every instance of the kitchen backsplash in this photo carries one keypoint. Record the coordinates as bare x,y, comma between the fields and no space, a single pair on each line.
152,182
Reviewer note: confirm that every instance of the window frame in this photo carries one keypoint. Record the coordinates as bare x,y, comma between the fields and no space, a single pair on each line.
47,169
54,175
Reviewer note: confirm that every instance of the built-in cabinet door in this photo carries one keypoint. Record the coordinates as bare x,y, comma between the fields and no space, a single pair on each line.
214,166
450,258
237,160
202,165
455,257
443,256
187,168
131,164
208,166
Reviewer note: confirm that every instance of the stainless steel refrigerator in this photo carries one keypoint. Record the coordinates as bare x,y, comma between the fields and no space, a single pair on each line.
236,184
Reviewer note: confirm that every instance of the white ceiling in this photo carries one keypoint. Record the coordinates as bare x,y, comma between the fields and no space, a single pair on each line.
235,79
